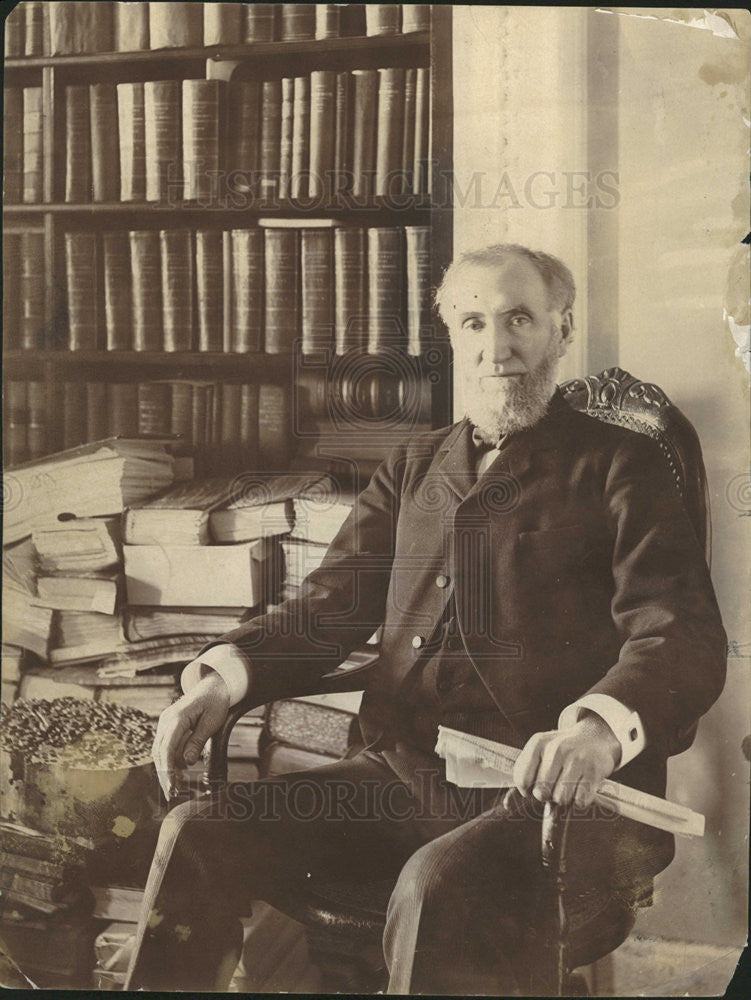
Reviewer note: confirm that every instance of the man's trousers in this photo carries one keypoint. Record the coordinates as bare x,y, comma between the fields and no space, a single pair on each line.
469,881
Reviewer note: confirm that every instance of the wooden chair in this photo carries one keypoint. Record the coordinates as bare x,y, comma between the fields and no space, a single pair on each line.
346,922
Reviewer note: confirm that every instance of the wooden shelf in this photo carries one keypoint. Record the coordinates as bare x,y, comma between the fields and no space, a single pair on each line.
125,365
226,53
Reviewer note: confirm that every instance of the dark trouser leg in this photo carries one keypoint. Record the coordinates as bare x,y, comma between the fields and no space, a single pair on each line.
257,842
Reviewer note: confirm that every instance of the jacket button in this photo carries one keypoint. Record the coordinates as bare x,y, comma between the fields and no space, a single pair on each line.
417,642
441,581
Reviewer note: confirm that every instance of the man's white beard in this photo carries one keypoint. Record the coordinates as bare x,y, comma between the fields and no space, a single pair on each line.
501,406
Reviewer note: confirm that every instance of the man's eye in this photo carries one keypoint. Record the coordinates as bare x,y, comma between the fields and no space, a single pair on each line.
472,324
520,320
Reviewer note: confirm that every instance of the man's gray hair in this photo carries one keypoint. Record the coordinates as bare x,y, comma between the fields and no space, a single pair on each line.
557,277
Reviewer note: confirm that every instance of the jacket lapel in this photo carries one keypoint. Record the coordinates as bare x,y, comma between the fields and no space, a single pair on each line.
455,461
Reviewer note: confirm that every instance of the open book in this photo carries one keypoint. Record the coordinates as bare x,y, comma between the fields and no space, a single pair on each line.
474,762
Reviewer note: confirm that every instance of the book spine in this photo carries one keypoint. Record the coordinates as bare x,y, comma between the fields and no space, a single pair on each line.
322,132
247,289
248,453
14,32
175,25
105,152
365,121
32,145
145,266
131,119
131,27
343,134
382,18
163,140
350,288
77,145
299,181
12,279
96,411
418,288
198,432
273,427
117,292
415,17
328,20
408,141
282,269
13,131
32,291
154,407
286,138
122,398
15,439
82,287
34,28
298,21
80,27
222,23
37,427
244,114
260,22
176,247
421,165
317,270
181,417
389,176
201,111
353,20
74,414
210,289
385,289
230,424
271,128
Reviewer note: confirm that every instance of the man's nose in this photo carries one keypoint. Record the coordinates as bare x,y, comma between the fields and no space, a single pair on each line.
497,346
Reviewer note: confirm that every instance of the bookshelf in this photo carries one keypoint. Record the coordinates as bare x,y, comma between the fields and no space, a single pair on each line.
47,222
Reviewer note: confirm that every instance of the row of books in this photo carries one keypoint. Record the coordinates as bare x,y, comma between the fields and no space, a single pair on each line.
310,139
35,28
241,290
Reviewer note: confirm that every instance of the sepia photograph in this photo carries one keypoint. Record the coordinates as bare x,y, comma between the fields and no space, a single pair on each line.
376,499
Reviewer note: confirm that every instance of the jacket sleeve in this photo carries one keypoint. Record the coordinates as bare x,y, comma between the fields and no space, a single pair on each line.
340,604
672,661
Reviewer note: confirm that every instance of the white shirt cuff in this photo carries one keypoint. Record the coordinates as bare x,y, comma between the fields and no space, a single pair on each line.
626,725
231,665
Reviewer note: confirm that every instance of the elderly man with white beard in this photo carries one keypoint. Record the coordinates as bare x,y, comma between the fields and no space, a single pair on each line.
539,583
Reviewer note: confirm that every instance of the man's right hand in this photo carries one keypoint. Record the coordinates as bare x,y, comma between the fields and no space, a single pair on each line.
185,727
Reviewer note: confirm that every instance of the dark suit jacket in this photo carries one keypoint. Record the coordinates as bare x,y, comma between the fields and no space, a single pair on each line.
575,569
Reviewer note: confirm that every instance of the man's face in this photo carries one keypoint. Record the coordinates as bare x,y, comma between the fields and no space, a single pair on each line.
507,337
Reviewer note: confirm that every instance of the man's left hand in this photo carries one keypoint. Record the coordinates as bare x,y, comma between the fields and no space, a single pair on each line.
568,765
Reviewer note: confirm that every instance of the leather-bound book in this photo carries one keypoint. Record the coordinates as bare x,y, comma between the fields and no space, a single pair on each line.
131,27
105,146
154,407
271,125
317,271
343,134
15,441
247,290
163,140
274,434
328,20
389,174
37,412
385,289
118,302
78,181
322,132
175,25
13,131
223,23
122,398
260,22
418,288
97,426
176,247
300,177
365,118
146,270
421,166
32,145
131,123
286,138
14,32
181,414
33,27
382,18
248,429
350,288
282,269
229,433
243,144
210,289
12,279
80,27
415,17
408,134
32,291
74,414
81,273
298,21
201,114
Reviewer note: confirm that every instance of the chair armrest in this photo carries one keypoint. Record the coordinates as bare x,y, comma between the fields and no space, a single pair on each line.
215,771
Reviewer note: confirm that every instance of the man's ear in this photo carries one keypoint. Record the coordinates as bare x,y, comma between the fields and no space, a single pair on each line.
567,332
